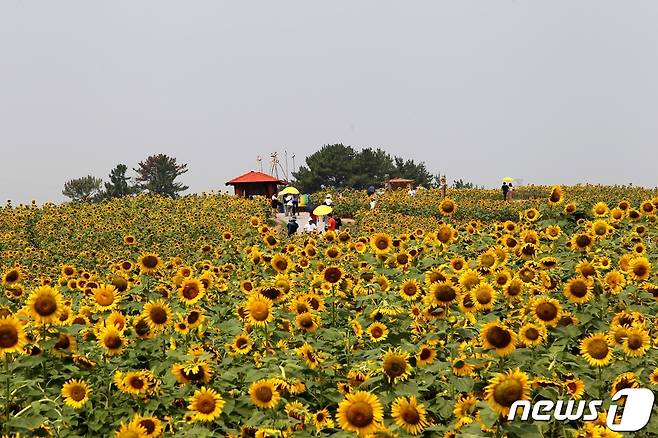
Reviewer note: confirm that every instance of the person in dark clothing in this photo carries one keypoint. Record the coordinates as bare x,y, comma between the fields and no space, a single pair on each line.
295,204
339,223
505,189
292,226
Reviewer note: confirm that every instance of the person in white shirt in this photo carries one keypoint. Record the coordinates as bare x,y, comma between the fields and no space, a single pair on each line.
328,201
310,226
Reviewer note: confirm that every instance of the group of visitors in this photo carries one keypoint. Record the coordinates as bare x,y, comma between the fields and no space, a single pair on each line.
292,205
508,191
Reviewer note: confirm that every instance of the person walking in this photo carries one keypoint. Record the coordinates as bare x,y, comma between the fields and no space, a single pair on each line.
289,204
292,226
275,204
295,204
505,189
510,192
331,223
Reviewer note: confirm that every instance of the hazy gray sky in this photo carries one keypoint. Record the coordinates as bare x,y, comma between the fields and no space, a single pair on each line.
551,92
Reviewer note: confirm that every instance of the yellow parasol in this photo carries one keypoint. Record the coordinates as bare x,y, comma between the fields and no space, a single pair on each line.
508,179
322,210
290,190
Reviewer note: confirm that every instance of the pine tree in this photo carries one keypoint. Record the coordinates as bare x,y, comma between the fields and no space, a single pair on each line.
119,184
158,174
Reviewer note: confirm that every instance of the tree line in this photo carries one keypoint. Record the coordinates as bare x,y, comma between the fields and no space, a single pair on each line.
338,165
156,174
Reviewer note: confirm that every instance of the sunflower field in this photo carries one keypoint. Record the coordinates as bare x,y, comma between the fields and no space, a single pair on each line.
146,317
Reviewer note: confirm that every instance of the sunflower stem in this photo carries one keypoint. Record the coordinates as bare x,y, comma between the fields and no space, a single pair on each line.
333,307
267,337
45,357
7,391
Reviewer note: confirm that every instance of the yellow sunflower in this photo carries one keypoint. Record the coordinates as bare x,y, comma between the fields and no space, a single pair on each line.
381,243
206,404
112,340
12,335
425,356
151,425
259,310
639,269
546,310
636,342
360,412
447,207
157,315
556,196
75,393
532,334
149,263
441,293
496,336
505,389
395,365
410,290
45,305
264,394
191,291
579,290
409,415
377,331
595,350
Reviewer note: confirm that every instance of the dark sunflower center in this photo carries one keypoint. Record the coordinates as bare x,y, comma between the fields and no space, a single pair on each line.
8,336
411,416
332,275
113,342
376,332
532,334
579,289
137,383
507,392
63,343
410,289
45,306
360,414
158,315
150,262
635,342
264,394
78,393
445,293
499,337
148,425
395,367
425,354
306,322
271,292
583,240
483,296
205,404
193,317
546,311
598,349
381,243
444,235
190,291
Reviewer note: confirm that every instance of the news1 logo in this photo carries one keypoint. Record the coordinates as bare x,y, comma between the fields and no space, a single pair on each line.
637,410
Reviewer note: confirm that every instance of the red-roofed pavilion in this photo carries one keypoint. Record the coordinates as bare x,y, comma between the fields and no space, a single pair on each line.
255,183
